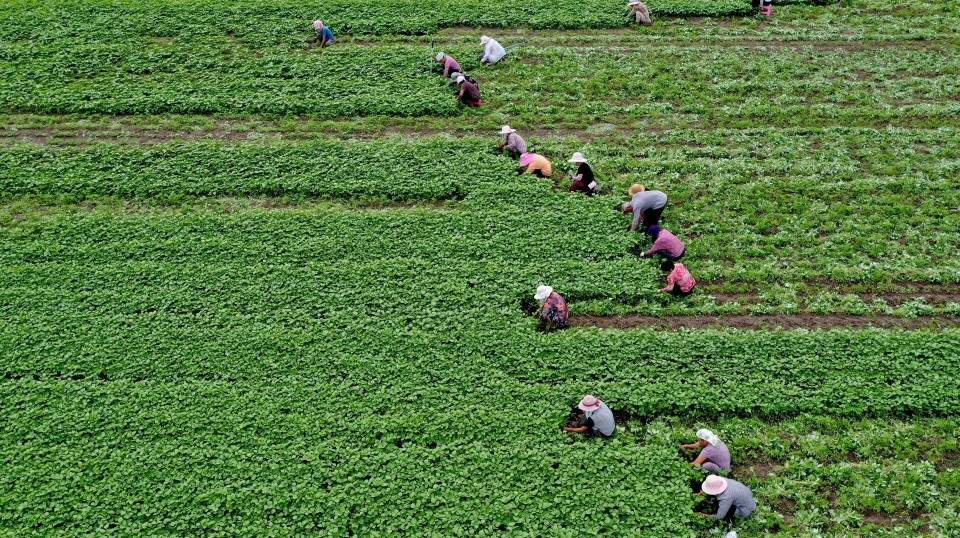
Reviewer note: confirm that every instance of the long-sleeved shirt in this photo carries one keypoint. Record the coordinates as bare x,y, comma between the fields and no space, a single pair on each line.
645,200
555,309
717,455
493,52
586,178
680,277
666,241
515,143
450,66
737,495
470,93
541,163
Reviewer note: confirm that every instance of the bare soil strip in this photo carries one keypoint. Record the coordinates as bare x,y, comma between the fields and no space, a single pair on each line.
771,322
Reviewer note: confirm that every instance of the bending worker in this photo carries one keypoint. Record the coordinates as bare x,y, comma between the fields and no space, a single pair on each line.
596,419
679,281
493,52
665,244
553,309
449,64
583,179
649,204
469,94
512,142
735,498
714,457
537,165
638,10
324,35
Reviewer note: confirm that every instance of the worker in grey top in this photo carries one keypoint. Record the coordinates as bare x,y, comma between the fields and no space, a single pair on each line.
493,51
512,142
648,205
596,419
735,499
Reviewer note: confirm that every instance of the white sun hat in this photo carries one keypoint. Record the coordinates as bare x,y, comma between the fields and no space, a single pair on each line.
460,78
484,40
577,158
455,74
440,56
633,4
708,436
542,293
507,130
714,485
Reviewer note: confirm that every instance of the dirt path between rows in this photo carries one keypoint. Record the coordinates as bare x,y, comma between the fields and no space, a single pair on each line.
771,322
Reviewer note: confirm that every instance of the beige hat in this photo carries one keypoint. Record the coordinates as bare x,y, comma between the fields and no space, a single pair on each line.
542,293
635,188
484,40
507,130
577,158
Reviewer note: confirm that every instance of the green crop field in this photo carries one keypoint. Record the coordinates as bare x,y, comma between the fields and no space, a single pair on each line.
249,287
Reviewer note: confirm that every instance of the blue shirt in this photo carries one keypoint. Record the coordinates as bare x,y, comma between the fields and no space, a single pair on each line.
326,33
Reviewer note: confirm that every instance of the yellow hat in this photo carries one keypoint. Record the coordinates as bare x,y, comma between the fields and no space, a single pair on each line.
635,188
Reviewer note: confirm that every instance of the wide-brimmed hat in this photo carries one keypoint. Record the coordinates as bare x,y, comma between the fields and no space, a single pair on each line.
589,403
484,40
526,159
543,292
440,56
455,74
461,78
707,435
577,158
507,130
714,485
635,188
318,24
633,3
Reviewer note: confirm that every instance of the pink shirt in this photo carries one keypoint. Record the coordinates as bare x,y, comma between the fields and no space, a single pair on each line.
449,66
666,241
680,277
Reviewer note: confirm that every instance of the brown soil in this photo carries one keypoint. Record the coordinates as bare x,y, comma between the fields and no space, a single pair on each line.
757,469
769,322
881,519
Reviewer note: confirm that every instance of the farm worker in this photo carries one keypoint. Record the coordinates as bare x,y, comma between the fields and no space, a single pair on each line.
511,141
553,308
583,180
735,498
596,419
665,244
679,282
492,51
638,10
767,8
714,457
324,35
449,64
469,93
537,165
649,204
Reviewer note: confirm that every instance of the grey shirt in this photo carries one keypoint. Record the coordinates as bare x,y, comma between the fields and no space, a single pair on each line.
737,495
645,200
603,420
515,143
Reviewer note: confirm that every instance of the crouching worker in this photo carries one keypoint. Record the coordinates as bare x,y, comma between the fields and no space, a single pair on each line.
553,309
324,35
512,142
493,51
714,457
449,64
537,165
665,244
648,205
583,180
596,419
638,11
679,281
469,94
735,499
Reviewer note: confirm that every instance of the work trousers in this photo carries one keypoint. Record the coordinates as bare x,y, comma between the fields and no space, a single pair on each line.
642,15
651,217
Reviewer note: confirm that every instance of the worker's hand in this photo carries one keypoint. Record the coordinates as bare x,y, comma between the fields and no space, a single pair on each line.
644,255
662,290
633,227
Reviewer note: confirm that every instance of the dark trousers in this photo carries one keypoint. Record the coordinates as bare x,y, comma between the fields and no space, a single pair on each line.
680,293
651,217
514,154
666,254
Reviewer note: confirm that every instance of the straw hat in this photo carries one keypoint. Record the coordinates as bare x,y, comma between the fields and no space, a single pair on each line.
507,130
440,56
589,403
635,188
484,40
542,293
577,158
714,485
526,159
708,436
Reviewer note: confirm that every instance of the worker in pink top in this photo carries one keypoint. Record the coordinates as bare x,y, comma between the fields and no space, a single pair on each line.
449,64
665,244
679,282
